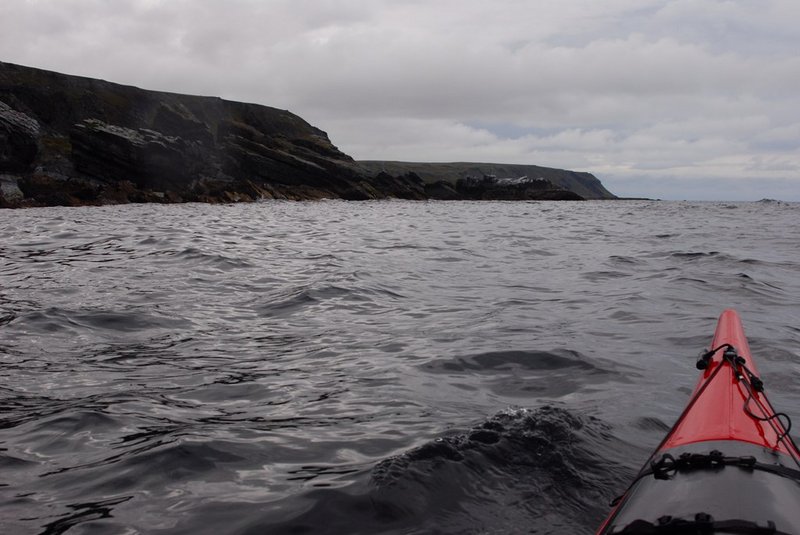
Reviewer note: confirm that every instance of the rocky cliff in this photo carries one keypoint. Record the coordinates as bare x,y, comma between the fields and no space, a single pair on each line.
69,140
584,184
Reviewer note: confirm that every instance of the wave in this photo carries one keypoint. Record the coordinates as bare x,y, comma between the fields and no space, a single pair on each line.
286,367
217,260
547,470
530,373
112,322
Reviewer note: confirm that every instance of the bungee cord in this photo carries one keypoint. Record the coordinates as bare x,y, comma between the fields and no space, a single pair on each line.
668,465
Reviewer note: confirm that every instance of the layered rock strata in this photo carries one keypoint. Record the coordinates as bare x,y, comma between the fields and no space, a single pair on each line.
69,140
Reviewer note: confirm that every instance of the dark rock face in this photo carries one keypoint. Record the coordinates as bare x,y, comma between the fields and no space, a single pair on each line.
95,142
179,121
442,190
249,152
409,186
68,140
147,158
18,140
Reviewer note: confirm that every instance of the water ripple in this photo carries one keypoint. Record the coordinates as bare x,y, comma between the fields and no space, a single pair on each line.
348,367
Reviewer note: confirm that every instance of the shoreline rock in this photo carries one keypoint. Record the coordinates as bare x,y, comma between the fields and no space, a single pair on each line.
69,140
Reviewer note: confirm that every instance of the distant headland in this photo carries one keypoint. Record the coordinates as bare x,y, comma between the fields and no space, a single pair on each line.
70,141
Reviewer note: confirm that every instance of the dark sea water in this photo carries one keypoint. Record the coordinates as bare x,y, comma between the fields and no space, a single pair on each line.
379,367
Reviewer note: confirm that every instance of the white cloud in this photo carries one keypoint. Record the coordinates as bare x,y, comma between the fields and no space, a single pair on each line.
664,95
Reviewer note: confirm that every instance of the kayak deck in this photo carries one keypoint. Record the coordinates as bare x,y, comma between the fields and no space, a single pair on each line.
717,408
727,466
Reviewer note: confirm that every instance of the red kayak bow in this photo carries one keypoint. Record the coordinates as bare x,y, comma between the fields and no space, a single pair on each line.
727,466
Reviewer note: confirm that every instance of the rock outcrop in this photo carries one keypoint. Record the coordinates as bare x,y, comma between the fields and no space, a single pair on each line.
584,184
510,189
19,136
68,140
149,159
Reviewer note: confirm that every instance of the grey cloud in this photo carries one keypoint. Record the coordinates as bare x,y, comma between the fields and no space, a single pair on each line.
661,93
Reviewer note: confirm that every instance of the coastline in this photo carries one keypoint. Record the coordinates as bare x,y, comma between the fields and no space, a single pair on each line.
71,141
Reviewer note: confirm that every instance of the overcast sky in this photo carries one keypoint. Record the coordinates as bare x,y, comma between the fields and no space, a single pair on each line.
681,99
